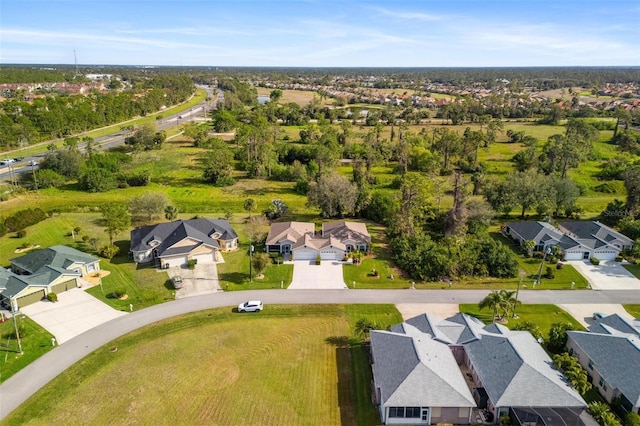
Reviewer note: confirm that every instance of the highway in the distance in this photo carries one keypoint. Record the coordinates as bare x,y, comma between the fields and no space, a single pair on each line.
116,138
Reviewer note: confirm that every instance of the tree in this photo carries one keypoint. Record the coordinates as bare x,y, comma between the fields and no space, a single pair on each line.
601,412
529,188
632,184
446,142
149,204
573,371
531,328
250,205
334,195
275,95
196,132
260,261
558,336
510,301
96,179
494,301
276,210
364,326
218,163
116,219
170,212
528,246
146,138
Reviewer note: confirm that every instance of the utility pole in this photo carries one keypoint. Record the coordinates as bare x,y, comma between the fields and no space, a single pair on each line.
35,179
15,325
250,261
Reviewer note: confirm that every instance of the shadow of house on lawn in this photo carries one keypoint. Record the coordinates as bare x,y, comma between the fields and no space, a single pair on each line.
123,253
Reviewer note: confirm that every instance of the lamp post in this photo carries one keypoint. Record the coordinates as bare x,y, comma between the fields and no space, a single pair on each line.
544,256
15,325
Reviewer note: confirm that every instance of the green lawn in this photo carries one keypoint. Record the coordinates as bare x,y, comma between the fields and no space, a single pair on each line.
220,367
541,315
633,310
35,340
634,269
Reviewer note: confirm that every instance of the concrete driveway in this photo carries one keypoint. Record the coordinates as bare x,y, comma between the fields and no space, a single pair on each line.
73,314
309,276
203,279
608,275
584,313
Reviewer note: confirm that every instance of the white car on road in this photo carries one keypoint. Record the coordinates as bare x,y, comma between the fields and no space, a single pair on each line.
250,306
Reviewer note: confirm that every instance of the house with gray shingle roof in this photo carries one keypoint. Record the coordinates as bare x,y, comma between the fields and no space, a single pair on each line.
610,353
579,240
508,372
40,272
175,243
417,380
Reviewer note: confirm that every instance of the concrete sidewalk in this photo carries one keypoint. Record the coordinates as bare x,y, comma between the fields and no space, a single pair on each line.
73,314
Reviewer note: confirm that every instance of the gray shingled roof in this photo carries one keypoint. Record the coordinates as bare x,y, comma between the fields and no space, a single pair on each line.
170,233
417,371
615,322
56,256
616,358
589,230
516,372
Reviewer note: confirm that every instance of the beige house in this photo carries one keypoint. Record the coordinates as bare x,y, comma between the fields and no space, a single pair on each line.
332,243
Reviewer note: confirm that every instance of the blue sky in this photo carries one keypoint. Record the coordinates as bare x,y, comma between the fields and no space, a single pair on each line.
322,33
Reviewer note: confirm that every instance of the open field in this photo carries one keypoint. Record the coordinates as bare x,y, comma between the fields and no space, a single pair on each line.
219,367
301,97
35,340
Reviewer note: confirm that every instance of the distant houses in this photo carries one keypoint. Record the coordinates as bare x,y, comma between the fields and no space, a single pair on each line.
429,370
40,272
578,240
175,243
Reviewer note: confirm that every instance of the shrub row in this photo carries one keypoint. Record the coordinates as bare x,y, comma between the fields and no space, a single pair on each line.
20,220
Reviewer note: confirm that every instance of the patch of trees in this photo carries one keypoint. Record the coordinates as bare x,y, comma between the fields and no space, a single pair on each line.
56,116
21,219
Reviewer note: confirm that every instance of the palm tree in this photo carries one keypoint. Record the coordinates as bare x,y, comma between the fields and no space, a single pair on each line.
510,301
493,300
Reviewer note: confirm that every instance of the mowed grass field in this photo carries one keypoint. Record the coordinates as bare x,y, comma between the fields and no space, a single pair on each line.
293,365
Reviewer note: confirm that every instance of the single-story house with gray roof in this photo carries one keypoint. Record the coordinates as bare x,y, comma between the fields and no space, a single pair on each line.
579,240
508,372
610,353
175,243
40,272
417,380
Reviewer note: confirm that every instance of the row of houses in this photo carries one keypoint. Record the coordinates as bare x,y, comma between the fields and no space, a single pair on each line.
578,240
429,370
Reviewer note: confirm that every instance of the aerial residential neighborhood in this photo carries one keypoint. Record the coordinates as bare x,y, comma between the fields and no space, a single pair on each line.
319,213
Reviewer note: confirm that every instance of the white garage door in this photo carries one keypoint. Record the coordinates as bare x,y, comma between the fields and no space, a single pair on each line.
174,261
329,254
605,255
574,255
204,258
304,254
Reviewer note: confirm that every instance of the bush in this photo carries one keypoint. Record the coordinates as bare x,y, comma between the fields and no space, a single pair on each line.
108,251
191,263
22,233
553,259
24,218
119,292
618,258
549,273
559,265
318,260
594,261
52,297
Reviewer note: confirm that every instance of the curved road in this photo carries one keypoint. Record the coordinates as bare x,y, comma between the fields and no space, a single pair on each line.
30,379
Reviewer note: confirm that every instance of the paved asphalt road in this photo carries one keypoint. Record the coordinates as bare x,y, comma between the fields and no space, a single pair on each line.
26,382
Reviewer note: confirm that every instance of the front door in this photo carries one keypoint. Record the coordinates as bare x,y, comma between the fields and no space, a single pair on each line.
425,414
585,255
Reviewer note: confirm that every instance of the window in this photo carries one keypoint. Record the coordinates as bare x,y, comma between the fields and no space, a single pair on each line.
590,365
396,411
412,412
602,384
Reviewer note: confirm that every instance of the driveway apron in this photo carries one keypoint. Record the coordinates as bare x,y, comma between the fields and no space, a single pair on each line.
309,276
203,279
608,275
74,313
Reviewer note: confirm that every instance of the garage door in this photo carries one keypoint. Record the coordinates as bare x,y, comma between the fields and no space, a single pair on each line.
30,298
605,255
330,255
574,255
204,258
304,254
174,261
67,285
